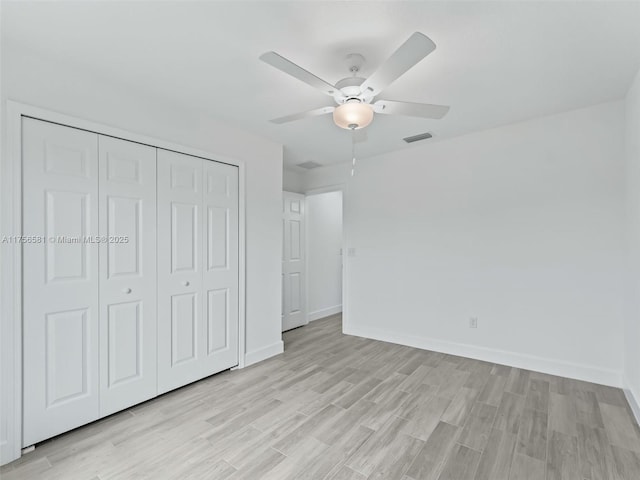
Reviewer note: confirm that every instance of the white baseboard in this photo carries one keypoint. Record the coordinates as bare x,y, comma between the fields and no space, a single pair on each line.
528,362
324,312
634,401
263,353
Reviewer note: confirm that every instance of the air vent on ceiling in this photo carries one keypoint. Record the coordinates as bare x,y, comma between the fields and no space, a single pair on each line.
309,165
417,138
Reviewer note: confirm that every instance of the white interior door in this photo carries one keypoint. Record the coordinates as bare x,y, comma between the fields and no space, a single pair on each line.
60,275
220,273
128,340
293,262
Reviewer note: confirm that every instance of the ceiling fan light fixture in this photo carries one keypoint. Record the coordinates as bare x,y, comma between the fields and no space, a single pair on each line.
353,115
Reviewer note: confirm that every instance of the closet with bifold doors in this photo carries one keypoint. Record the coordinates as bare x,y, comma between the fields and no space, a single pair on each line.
130,277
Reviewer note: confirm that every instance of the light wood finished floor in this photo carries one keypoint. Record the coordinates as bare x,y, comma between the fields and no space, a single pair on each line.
346,408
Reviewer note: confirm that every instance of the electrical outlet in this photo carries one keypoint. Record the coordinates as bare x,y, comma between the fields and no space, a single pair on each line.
473,322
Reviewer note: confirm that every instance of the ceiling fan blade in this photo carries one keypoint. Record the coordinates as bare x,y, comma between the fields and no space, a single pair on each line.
298,116
287,66
410,52
423,110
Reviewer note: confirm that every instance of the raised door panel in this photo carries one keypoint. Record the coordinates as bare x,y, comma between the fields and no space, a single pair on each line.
125,343
218,319
60,279
295,293
128,304
293,262
67,217
180,270
125,230
218,219
295,238
219,334
184,224
184,321
67,361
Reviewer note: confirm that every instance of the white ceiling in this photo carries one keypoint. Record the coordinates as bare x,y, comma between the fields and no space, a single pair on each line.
495,62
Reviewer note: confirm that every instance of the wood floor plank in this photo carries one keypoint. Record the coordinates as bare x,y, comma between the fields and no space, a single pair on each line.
460,406
357,392
619,427
562,457
587,408
477,428
36,469
424,416
399,457
430,460
501,370
461,465
289,442
509,412
532,436
345,473
518,381
369,456
344,422
380,413
610,395
562,414
626,464
411,365
297,460
333,459
538,395
263,463
527,468
414,380
493,389
594,452
454,383
495,463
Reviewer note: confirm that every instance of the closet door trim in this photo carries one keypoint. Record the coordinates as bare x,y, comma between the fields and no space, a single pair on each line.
11,253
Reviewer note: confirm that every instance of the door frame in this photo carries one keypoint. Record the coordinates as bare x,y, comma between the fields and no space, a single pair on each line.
11,254
339,187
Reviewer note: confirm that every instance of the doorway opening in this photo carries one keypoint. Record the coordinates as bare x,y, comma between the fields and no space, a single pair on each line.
312,261
324,254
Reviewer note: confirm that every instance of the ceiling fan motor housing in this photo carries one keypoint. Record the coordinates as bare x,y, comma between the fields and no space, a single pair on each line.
348,89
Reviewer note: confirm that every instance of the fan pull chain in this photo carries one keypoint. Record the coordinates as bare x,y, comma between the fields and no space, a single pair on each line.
353,152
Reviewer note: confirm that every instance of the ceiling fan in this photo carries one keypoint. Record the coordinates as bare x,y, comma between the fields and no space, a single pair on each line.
353,95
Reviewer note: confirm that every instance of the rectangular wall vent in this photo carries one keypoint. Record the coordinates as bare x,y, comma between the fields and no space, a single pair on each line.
417,138
309,165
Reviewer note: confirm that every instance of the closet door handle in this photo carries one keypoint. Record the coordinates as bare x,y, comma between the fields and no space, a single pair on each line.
126,290
186,283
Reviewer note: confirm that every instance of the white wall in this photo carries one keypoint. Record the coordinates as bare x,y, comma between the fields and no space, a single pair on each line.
632,320
292,181
521,226
331,175
324,259
45,83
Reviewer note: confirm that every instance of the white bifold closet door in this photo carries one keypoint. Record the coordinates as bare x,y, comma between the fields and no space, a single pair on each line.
130,274
60,278
127,211
197,268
